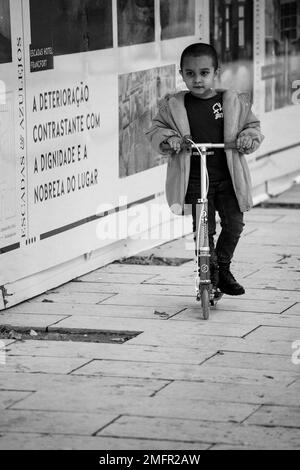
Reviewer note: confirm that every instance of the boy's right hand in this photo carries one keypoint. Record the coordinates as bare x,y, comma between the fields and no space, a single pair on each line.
175,143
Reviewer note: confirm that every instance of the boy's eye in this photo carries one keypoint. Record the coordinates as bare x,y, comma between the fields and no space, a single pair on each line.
191,74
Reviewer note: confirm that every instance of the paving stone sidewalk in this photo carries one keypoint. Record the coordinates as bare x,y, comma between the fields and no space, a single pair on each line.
232,382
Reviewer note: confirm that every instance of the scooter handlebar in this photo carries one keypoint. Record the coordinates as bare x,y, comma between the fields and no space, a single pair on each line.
187,144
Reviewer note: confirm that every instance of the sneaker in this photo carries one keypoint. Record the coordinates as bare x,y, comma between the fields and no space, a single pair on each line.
227,283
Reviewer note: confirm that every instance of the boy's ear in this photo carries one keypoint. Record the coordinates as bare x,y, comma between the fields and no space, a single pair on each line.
180,71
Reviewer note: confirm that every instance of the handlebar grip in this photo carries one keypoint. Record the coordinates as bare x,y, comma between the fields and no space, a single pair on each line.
230,146
165,147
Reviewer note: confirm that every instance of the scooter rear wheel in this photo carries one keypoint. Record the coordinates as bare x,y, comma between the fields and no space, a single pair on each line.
205,303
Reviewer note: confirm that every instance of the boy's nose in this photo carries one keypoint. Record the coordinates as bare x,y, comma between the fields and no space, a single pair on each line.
197,80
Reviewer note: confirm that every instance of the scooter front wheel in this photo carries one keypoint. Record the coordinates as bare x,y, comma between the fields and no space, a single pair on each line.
205,303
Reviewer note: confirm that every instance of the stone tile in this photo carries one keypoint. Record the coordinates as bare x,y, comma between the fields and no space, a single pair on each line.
88,287
6,342
294,310
244,305
278,228
247,251
73,298
164,327
107,324
277,273
77,385
289,262
169,287
21,441
257,293
151,300
281,348
204,372
249,274
141,369
157,406
274,284
125,352
235,375
287,321
201,431
116,278
287,238
145,270
276,416
10,397
258,217
175,277
296,384
288,396
132,289
270,210
217,315
248,255
260,346
67,309
251,361
290,217
181,354
276,333
257,446
185,340
30,320
225,392
45,365
52,422
269,243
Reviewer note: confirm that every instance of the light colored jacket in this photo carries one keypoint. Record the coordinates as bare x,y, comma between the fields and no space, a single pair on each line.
172,120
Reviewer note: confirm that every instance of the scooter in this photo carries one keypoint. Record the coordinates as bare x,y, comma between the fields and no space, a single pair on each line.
205,291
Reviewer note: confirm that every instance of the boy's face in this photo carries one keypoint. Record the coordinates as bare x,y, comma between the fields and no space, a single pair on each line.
199,75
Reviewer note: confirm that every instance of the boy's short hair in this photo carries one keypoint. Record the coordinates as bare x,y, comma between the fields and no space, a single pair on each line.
200,49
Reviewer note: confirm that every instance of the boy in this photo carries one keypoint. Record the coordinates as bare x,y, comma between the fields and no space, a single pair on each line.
214,116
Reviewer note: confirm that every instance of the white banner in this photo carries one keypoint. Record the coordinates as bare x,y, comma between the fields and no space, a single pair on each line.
79,81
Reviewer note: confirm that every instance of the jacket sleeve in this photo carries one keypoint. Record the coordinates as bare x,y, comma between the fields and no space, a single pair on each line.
161,128
252,128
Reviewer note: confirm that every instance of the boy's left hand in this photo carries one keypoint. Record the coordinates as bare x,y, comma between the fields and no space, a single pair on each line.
245,144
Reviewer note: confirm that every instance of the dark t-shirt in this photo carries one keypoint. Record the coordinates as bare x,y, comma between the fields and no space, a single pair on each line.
207,126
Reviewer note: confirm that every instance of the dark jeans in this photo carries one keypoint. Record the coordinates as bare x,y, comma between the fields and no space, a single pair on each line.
221,198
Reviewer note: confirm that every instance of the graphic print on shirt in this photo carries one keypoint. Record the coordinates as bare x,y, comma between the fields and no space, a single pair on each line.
218,111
